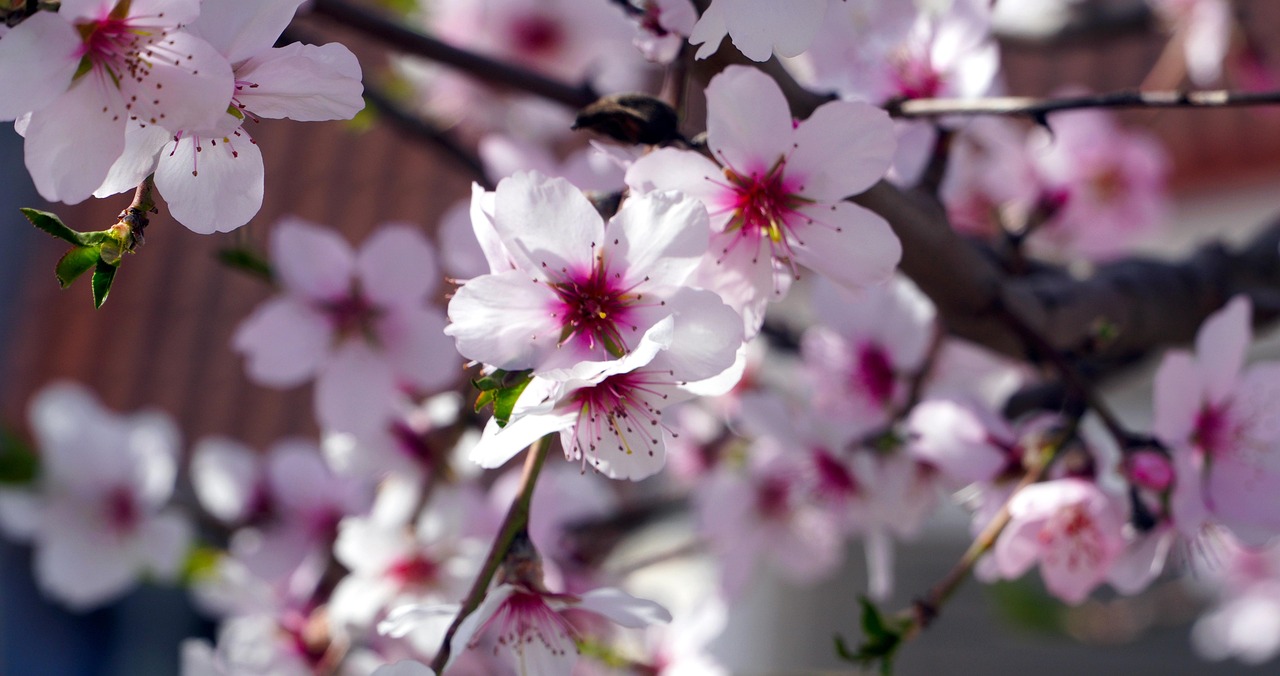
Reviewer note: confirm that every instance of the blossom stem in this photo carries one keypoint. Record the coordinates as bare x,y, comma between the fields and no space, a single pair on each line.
394,34
926,608
514,523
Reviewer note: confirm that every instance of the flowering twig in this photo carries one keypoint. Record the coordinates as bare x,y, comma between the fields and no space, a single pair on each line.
391,32
514,523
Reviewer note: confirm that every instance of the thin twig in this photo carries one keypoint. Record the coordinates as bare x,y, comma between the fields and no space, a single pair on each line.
418,128
926,608
1038,108
385,29
515,521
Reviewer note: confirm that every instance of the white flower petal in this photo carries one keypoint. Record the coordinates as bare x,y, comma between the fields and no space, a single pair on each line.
212,184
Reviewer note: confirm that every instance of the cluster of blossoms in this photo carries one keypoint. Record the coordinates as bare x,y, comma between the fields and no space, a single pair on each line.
115,91
622,301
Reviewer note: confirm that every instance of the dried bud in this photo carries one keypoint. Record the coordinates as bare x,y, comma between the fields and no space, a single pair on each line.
631,118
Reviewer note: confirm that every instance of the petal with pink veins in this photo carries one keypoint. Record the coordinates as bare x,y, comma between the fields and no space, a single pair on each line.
657,239
504,320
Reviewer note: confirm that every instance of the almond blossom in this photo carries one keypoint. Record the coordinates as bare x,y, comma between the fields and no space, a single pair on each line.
609,414
212,176
1109,181
532,627
359,323
95,66
1204,26
581,289
1219,421
775,199
99,521
1068,526
662,27
864,349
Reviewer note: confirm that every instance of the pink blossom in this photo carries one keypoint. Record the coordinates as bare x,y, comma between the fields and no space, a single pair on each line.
99,521
877,52
609,414
96,66
865,348
1110,181
358,323
531,627
765,512
775,199
581,289
1068,526
212,176
1219,421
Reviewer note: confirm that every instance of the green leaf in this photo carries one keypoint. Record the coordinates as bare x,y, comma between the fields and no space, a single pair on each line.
247,260
50,223
881,639
76,262
103,275
19,465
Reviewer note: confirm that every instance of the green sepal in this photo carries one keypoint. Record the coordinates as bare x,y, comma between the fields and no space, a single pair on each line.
501,389
76,262
19,465
103,275
50,223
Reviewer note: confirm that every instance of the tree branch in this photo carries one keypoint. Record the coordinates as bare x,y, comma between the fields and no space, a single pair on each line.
1039,107
393,33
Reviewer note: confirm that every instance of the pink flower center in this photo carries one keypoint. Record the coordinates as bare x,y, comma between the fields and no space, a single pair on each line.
1072,540
536,35
353,315
874,373
525,620
615,412
916,78
1109,184
593,309
1212,430
122,511
766,208
834,480
416,571
773,498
